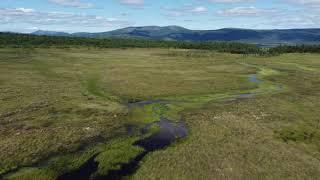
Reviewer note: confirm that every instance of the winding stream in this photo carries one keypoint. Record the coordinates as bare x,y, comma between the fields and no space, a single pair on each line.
169,131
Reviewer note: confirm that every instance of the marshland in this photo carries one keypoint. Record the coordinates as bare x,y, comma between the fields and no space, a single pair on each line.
158,113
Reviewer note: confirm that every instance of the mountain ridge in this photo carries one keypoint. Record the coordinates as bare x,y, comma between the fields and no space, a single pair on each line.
177,33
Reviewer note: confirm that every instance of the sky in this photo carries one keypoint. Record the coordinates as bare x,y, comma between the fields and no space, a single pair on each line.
105,15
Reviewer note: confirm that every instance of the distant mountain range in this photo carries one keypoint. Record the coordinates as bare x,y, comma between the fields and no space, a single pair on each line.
283,36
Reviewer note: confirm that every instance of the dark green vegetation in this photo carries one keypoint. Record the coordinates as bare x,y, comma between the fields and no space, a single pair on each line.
295,49
59,107
264,37
29,41
32,41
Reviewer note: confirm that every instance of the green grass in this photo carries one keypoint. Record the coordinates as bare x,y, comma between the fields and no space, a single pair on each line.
115,152
56,102
93,87
272,136
33,173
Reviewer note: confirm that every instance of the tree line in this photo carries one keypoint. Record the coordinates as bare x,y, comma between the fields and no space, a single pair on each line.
32,41
295,49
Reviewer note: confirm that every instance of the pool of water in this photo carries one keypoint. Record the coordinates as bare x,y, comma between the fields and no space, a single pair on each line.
169,131
253,78
84,172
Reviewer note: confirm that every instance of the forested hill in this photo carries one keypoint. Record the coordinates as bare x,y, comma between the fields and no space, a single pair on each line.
27,40
264,37
13,40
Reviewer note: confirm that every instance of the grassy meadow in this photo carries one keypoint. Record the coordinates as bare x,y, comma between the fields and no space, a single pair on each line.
59,107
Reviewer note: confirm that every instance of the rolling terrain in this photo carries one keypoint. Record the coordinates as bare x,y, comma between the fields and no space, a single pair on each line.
263,37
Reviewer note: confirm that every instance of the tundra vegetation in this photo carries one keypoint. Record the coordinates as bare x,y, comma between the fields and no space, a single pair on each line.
59,107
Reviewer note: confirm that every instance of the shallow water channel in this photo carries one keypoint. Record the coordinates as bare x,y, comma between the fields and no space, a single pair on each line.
169,131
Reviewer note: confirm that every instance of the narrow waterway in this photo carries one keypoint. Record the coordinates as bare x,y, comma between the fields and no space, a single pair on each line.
168,132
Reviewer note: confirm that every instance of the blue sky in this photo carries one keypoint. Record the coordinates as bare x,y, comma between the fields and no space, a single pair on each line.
105,15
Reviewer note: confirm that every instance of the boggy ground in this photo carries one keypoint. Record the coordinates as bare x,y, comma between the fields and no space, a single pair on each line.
59,107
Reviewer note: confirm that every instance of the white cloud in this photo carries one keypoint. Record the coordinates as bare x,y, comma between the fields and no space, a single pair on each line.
32,28
311,3
72,3
274,18
36,18
245,11
198,10
230,1
132,2
296,19
185,10
26,10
